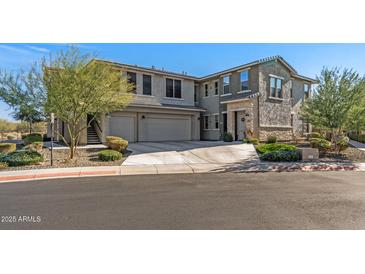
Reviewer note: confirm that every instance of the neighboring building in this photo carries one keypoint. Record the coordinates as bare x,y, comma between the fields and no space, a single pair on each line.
257,99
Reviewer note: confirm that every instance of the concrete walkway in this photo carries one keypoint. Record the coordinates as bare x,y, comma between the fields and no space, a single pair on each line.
358,145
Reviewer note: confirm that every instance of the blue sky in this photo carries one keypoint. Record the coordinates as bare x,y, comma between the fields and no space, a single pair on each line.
195,59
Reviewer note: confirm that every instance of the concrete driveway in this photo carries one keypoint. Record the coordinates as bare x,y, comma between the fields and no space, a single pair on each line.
186,157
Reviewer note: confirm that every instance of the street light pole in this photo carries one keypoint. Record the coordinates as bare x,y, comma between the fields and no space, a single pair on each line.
52,123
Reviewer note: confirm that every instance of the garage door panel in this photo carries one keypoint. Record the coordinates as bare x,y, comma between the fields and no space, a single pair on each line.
165,128
123,126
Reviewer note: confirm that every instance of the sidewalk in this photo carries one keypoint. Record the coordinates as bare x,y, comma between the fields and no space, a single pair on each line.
53,173
357,144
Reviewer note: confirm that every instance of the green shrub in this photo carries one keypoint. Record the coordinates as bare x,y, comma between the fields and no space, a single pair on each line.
227,137
12,136
3,165
116,143
265,148
110,155
316,135
36,146
7,147
32,138
253,141
343,143
281,156
23,157
320,143
357,137
271,139
2,156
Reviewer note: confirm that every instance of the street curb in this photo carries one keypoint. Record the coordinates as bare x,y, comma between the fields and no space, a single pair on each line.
57,173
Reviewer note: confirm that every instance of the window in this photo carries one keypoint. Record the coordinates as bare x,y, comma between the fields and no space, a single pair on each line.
216,121
226,81
206,94
276,87
292,120
306,90
173,88
132,79
147,87
206,122
169,87
244,80
216,88
291,89
195,93
177,87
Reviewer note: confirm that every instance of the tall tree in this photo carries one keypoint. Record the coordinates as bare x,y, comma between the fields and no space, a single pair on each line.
78,86
24,93
333,101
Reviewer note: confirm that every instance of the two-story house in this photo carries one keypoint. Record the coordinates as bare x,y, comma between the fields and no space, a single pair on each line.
257,99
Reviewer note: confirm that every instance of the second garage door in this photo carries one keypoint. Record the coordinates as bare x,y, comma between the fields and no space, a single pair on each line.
162,127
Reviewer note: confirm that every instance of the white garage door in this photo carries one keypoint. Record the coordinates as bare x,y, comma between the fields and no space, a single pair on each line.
123,126
155,127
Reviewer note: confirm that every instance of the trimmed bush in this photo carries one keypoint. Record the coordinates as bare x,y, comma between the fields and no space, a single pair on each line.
271,139
32,138
281,156
12,136
227,137
266,148
110,155
116,143
7,147
320,143
316,135
253,141
343,143
3,165
2,156
36,146
23,158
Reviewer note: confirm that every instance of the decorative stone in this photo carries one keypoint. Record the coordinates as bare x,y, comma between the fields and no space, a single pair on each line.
308,154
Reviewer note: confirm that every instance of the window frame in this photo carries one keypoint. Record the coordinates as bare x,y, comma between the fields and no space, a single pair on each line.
276,89
206,122
216,88
143,84
241,82
226,85
174,88
216,121
206,90
129,73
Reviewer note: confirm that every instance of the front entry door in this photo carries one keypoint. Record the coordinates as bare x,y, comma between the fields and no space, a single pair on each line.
240,127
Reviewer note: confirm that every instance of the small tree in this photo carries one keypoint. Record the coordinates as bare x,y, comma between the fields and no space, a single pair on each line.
24,93
331,104
78,86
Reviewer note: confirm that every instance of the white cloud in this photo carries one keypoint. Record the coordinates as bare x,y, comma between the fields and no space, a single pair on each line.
39,49
14,49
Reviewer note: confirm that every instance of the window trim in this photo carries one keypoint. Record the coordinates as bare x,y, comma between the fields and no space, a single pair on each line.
229,84
143,75
206,90
173,88
216,88
248,80
216,121
276,88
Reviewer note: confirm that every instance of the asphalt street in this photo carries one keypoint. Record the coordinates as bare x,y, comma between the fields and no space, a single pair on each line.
313,200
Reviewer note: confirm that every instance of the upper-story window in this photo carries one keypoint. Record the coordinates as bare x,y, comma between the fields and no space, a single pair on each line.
147,84
276,87
173,88
195,93
244,80
226,81
206,90
291,88
132,79
306,90
216,88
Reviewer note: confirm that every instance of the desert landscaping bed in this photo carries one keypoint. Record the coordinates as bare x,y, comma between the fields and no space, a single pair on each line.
85,157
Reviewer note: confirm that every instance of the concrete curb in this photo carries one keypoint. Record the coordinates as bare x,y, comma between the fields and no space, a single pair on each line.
54,173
